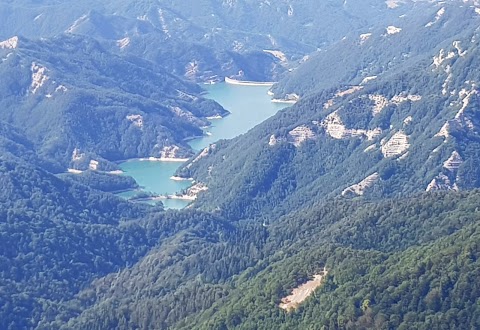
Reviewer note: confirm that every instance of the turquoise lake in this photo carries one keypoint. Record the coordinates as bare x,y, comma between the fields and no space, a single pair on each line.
249,106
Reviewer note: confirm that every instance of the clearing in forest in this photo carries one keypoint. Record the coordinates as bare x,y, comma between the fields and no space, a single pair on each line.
302,292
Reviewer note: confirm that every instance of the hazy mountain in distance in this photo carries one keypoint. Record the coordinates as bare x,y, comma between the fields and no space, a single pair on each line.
364,55
214,38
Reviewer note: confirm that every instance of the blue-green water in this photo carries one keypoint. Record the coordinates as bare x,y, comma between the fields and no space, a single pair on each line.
249,106
155,177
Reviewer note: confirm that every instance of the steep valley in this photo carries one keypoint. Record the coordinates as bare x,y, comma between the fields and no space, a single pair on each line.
355,207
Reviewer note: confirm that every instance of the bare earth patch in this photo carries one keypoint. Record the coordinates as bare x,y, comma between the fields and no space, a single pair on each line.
302,292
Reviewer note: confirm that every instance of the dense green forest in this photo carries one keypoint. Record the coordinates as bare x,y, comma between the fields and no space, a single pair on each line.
78,103
373,52
372,176
57,236
402,256
276,179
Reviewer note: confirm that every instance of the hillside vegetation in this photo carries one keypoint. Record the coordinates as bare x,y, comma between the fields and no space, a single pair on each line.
370,180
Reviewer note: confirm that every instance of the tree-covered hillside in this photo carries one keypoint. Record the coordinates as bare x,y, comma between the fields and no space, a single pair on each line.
57,236
364,55
368,184
204,40
80,103
393,264
410,131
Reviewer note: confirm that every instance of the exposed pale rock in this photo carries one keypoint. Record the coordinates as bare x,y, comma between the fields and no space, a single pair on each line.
301,293
439,15
191,69
291,98
38,77
393,29
328,104
229,3
396,145
460,52
193,191
370,148
348,91
437,149
163,22
441,57
238,46
76,24
359,188
274,140
185,114
301,134
137,120
453,162
441,182
368,79
334,127
77,155
364,37
61,88
461,120
407,120
392,4
402,157
190,194
169,152
122,43
93,165
187,96
290,11
202,154
444,131
381,102
398,99
447,82
343,93
11,43
278,54
465,97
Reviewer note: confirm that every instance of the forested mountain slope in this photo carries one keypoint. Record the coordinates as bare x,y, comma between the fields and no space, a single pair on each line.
208,39
57,236
397,263
400,41
413,130
369,180
80,103
291,22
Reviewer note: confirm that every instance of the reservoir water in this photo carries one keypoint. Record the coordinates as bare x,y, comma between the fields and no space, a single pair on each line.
249,106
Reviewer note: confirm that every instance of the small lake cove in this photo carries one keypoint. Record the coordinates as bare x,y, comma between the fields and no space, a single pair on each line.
248,105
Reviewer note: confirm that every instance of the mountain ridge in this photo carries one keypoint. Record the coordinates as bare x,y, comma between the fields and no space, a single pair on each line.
152,111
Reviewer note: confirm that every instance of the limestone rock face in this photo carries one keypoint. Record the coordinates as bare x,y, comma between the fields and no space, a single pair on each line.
396,145
360,188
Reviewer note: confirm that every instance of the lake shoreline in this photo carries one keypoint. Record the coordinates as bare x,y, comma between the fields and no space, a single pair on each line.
249,107
153,159
247,82
284,101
